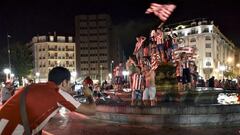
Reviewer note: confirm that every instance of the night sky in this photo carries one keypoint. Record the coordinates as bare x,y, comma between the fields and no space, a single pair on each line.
25,19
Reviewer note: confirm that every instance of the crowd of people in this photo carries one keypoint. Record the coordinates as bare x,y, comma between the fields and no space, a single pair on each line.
147,56
226,84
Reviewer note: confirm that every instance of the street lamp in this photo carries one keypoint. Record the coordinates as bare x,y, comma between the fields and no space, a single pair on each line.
125,74
11,76
9,52
38,76
101,74
229,61
238,66
110,75
111,69
222,68
74,75
7,71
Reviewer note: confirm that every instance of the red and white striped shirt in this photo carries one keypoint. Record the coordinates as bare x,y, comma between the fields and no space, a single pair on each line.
43,101
185,64
138,80
159,39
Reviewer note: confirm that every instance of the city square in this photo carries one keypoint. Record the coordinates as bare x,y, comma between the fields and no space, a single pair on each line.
149,67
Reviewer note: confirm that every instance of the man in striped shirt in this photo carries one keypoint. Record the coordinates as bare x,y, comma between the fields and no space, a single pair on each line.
186,76
43,101
138,48
160,44
137,87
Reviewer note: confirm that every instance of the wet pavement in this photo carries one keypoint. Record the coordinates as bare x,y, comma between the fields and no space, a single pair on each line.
78,124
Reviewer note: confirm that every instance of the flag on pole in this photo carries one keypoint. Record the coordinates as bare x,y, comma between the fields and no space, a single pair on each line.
163,11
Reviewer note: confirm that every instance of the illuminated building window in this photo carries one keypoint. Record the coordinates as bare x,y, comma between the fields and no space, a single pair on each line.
193,40
205,30
208,45
208,63
207,38
208,54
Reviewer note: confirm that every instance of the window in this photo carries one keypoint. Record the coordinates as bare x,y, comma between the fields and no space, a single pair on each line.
205,30
180,34
208,54
207,38
194,31
208,63
208,45
194,46
193,40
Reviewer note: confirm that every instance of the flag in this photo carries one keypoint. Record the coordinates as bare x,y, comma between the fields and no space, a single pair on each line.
163,11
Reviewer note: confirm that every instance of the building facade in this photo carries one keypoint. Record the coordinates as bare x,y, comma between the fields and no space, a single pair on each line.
51,51
215,53
93,38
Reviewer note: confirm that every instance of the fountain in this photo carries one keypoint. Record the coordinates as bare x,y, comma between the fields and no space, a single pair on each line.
200,107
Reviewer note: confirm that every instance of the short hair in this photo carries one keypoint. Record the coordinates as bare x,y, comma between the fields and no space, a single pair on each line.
58,75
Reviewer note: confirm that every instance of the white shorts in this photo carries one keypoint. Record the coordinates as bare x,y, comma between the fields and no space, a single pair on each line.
149,93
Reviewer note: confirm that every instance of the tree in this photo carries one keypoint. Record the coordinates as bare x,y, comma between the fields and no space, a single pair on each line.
21,59
229,74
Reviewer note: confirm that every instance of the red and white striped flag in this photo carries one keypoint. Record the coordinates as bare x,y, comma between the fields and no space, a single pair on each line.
163,11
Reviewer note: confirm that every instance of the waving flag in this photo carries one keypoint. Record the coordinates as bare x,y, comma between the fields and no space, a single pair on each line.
163,11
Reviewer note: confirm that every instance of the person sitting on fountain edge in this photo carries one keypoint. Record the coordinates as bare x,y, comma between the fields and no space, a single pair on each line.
42,101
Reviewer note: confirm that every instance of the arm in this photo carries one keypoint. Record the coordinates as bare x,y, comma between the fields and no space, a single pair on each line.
90,108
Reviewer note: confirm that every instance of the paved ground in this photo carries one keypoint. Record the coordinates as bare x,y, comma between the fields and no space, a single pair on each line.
76,124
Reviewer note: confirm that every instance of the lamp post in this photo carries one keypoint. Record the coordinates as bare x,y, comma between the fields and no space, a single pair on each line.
229,61
38,76
9,52
238,66
12,76
101,74
125,74
222,68
74,75
7,71
111,69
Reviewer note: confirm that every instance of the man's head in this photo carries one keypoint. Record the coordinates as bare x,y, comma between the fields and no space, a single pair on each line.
61,77
58,75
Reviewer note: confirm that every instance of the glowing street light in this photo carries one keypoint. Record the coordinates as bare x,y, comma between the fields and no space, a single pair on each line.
125,73
38,76
101,72
110,75
229,63
11,76
222,68
229,59
7,71
74,75
238,66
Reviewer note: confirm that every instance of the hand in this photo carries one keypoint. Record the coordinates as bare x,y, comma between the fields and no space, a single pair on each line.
87,91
